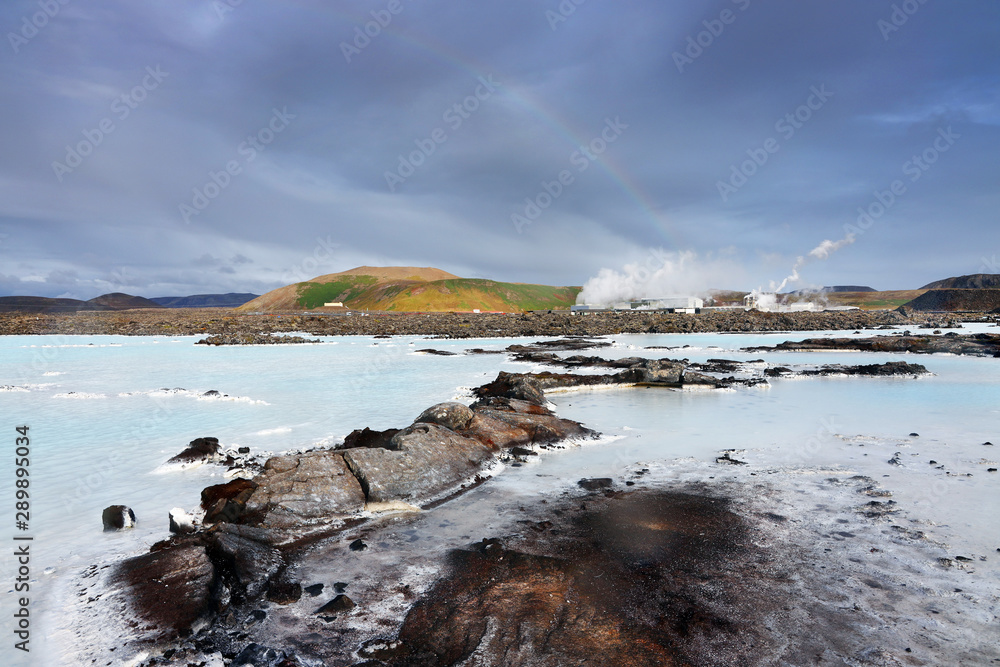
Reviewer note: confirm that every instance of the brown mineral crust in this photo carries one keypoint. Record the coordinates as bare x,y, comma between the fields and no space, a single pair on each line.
641,578
168,588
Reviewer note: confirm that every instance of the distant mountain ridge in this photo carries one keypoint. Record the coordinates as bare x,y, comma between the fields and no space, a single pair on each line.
411,289
837,289
228,300
121,301
974,281
42,304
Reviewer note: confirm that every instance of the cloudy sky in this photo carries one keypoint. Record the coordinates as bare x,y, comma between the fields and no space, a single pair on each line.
171,147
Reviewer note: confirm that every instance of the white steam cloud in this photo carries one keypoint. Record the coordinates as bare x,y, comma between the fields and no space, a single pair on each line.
663,273
820,252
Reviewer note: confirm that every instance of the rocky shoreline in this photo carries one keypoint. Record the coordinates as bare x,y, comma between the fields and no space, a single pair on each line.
194,594
979,345
236,326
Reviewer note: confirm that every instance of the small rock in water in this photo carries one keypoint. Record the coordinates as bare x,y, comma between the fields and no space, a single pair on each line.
987,444
118,517
914,435
243,450
181,523
282,591
314,590
895,459
255,654
358,545
596,483
339,603
727,457
340,586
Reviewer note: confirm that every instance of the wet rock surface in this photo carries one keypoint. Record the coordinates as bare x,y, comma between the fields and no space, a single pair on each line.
168,588
254,338
981,345
117,517
300,488
198,452
647,578
425,460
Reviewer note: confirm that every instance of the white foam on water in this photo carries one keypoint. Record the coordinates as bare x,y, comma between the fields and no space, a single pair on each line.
82,395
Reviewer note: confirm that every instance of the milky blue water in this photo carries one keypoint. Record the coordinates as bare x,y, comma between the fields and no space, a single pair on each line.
101,425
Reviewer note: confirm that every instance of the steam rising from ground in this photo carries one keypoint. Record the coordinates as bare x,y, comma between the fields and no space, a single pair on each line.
821,252
664,273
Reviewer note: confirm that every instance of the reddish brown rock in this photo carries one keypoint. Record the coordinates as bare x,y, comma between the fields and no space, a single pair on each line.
169,588
303,488
226,502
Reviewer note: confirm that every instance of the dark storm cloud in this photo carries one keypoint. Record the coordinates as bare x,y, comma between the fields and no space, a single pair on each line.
282,137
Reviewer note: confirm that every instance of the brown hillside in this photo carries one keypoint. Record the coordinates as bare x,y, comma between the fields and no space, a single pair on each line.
119,301
284,298
969,300
393,273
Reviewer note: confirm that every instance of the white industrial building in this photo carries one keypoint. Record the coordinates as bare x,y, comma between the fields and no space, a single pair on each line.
670,304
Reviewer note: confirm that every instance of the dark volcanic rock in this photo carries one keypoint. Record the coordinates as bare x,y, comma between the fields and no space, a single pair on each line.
227,502
118,517
596,483
198,451
643,579
662,371
366,437
257,655
512,385
454,416
539,423
425,460
282,591
983,345
337,604
253,338
169,588
494,433
876,370
245,559
302,488
560,344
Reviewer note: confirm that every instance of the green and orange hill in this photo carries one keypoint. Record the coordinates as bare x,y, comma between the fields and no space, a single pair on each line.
411,289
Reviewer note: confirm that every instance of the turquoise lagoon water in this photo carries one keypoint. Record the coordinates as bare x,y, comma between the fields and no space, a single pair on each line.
105,412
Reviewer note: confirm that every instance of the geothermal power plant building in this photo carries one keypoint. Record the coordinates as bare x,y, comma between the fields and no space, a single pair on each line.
670,304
